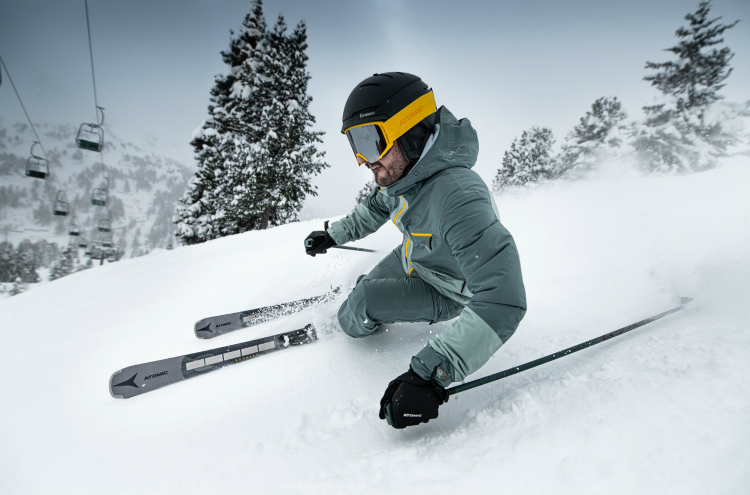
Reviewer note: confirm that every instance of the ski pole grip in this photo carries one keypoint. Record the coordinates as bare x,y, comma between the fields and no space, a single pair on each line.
325,232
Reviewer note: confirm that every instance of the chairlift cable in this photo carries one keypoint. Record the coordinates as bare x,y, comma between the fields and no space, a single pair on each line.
91,54
93,75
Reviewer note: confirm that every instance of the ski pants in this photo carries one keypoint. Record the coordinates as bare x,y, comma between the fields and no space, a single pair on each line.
388,295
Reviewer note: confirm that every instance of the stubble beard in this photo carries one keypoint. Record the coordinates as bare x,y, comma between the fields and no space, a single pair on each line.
394,168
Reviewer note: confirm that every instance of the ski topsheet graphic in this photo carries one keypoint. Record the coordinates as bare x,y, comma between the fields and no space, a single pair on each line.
142,378
213,326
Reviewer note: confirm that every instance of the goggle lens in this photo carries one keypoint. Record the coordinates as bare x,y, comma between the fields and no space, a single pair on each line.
368,142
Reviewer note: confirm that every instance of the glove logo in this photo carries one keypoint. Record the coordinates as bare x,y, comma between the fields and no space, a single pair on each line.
410,415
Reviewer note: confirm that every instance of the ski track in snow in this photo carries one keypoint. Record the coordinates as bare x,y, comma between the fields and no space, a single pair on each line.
662,409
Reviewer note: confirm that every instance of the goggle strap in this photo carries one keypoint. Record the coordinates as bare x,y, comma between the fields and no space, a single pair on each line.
409,116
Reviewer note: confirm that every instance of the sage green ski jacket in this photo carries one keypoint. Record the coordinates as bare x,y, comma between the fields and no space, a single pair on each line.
454,241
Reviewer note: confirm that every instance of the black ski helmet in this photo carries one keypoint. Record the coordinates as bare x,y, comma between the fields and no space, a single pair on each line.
382,96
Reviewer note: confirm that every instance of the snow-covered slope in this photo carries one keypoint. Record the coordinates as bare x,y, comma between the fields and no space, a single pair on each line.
663,409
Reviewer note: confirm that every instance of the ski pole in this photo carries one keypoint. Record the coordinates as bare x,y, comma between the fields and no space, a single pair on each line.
355,249
684,301
325,227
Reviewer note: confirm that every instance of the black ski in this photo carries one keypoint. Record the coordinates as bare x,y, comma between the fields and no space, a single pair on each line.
142,378
213,326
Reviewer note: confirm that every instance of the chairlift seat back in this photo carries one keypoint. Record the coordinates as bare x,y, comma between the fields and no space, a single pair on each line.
99,197
37,167
90,137
61,208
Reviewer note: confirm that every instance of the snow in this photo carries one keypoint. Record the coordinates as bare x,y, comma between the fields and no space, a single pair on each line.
662,409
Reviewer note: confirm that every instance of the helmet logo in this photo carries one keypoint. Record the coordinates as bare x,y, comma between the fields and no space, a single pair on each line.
363,115
411,115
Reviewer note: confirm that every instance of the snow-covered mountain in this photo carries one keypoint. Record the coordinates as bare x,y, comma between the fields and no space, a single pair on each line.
662,409
144,186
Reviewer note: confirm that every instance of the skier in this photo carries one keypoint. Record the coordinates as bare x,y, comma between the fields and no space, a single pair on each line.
456,258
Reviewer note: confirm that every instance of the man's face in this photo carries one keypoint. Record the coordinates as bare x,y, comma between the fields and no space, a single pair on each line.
391,167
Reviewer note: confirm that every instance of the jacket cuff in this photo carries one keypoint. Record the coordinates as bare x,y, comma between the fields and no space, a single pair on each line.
431,365
338,233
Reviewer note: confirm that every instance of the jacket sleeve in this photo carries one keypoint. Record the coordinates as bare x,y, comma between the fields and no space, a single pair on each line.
488,259
365,219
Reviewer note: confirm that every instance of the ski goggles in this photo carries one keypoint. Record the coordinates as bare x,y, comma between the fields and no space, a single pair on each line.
371,141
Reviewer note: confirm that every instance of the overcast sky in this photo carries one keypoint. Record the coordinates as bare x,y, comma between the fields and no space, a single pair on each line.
504,65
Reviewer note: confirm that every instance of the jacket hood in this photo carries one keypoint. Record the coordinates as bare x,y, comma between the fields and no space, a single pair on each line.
456,145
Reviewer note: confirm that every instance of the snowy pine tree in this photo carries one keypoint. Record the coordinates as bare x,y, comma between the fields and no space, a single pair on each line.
256,152
283,158
8,262
27,264
18,287
678,135
528,160
365,191
65,265
599,135
220,141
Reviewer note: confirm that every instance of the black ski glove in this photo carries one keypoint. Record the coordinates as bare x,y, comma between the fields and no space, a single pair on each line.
410,400
318,242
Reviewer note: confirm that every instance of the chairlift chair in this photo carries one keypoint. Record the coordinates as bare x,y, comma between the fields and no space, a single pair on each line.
91,136
74,230
114,254
105,224
82,242
61,206
100,195
37,166
107,241
96,250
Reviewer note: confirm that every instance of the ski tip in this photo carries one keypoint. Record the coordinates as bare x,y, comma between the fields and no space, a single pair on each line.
111,380
202,329
684,301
